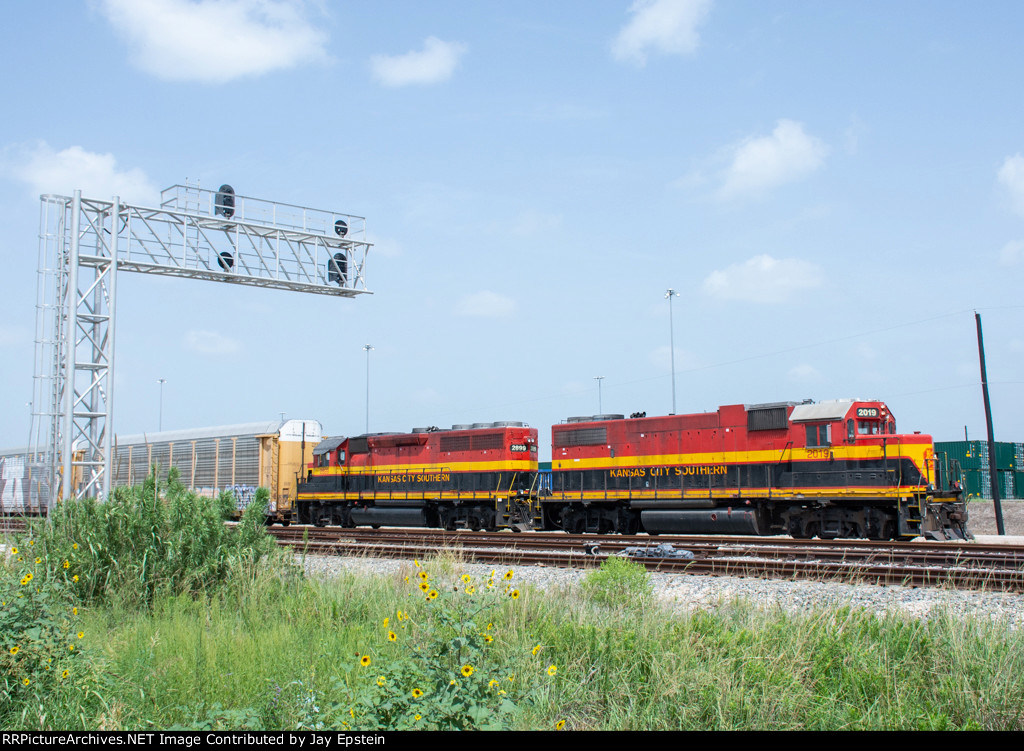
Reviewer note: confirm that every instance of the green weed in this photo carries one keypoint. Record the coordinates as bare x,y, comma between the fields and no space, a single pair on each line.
618,582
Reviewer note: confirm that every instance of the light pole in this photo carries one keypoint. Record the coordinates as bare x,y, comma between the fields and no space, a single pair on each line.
161,381
600,411
367,347
672,343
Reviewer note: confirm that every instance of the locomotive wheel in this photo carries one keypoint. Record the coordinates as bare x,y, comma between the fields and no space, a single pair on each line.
317,514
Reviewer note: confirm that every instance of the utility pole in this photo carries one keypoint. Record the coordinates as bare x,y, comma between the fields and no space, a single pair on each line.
672,343
161,381
367,347
993,475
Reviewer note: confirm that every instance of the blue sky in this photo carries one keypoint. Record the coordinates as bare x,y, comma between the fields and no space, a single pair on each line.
832,188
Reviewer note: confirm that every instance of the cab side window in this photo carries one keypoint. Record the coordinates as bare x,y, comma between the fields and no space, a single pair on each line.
818,436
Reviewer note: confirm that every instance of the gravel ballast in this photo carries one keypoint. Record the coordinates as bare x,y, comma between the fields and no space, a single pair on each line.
684,592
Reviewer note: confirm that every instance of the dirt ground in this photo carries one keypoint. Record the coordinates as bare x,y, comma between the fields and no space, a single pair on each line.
981,517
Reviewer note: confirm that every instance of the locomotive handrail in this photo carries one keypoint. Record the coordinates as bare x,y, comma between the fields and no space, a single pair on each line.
787,447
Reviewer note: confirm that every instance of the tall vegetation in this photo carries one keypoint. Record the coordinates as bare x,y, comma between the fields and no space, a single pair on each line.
145,543
157,539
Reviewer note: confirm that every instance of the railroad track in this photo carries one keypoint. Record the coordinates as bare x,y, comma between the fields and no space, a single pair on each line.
11,524
959,565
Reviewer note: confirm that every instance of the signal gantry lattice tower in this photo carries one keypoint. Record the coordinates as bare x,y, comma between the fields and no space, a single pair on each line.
194,234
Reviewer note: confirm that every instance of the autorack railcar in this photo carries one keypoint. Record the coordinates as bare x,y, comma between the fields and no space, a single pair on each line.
236,458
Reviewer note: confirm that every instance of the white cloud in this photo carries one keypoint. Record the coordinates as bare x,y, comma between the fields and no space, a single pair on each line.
788,154
62,172
1011,253
866,353
211,343
487,304
665,26
531,223
433,64
763,279
804,373
215,41
1011,175
428,396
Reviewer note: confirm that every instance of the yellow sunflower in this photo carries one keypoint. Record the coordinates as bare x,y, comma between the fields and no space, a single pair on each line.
416,693
467,670
552,669
560,724
364,660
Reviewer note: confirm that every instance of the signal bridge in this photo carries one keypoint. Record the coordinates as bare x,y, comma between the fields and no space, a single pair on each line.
193,233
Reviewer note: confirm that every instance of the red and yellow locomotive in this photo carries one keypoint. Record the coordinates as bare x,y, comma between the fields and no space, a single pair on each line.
830,469
480,476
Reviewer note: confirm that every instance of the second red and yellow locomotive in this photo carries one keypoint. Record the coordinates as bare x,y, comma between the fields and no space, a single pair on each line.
480,476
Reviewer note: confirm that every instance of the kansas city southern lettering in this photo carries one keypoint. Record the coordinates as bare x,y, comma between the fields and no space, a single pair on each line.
399,479
719,469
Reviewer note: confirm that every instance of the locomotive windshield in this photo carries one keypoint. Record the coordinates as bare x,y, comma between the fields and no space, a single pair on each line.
869,427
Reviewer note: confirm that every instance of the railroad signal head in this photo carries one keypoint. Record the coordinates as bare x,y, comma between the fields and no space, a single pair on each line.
224,203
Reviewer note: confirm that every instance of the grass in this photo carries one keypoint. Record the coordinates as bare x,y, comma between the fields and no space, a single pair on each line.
262,647
267,657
